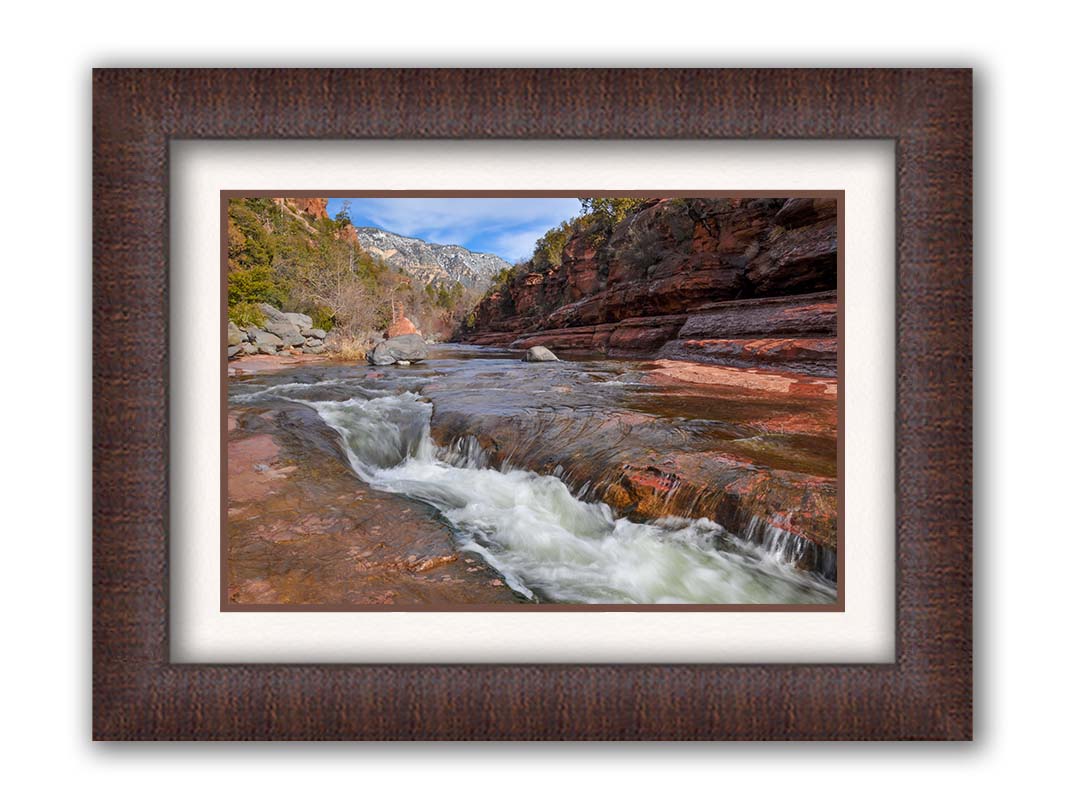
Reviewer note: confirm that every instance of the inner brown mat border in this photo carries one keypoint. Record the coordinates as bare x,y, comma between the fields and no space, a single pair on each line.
225,605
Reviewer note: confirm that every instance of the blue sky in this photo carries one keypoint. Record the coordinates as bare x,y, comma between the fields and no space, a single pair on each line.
506,226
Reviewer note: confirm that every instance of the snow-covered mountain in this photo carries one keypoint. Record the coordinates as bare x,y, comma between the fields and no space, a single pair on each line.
431,263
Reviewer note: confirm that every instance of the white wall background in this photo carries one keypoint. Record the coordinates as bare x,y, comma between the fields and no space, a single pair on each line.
45,207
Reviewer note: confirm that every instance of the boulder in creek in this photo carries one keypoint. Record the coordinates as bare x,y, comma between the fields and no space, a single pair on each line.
539,353
272,313
280,324
302,321
234,335
233,350
286,330
409,347
249,348
264,338
267,349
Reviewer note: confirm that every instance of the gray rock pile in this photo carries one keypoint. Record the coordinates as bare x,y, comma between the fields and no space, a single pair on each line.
282,330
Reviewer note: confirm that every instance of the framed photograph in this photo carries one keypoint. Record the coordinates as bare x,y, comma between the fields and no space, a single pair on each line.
532,404
634,408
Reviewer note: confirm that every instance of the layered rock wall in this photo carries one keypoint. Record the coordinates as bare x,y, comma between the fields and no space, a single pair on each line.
740,282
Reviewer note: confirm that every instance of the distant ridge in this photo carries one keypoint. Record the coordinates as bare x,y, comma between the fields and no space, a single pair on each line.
431,263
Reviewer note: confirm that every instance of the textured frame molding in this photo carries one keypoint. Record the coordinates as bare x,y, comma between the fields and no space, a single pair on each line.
926,694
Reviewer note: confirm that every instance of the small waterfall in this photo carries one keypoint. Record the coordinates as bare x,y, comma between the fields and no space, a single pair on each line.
465,452
788,548
546,541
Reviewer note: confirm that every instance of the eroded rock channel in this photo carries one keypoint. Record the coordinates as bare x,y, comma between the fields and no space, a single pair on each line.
474,477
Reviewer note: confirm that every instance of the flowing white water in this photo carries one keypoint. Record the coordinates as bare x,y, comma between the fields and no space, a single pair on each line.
546,543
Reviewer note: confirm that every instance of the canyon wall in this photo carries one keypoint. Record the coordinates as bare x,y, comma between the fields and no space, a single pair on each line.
738,282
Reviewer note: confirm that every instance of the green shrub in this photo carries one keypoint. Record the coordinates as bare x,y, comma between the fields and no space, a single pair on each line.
344,216
501,278
610,210
548,252
250,243
244,315
323,317
597,238
258,284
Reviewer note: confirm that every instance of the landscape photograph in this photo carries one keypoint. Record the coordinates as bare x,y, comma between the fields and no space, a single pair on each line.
529,402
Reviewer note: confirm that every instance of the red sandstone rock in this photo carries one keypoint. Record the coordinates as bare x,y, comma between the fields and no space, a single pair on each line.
805,210
761,382
312,206
348,234
797,315
304,531
255,364
402,326
812,356
771,458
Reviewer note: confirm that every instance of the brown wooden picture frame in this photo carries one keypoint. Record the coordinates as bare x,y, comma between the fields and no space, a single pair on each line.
925,694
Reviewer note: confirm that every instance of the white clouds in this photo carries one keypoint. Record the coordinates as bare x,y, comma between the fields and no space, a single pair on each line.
517,245
507,226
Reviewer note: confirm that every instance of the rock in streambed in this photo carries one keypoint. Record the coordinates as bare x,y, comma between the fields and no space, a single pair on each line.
539,353
409,347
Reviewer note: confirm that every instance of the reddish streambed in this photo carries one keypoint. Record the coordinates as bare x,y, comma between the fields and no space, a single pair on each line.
476,478
303,530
